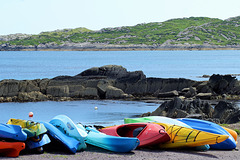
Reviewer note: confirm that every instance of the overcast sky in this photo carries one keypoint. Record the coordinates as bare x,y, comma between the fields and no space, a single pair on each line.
35,16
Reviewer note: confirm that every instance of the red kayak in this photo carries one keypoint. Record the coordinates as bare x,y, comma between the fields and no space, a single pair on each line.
148,133
11,149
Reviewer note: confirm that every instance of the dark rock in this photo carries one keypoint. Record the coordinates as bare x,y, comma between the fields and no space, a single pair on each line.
146,114
168,94
128,82
9,88
31,96
195,116
9,99
189,92
63,78
102,87
221,84
224,112
158,85
204,88
138,88
169,109
185,90
58,91
115,82
75,90
115,93
178,108
236,89
111,71
227,112
205,76
206,96
131,77
43,85
89,93
28,86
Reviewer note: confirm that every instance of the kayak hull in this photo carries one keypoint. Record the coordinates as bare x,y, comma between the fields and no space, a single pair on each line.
31,128
69,143
148,134
207,126
182,137
31,144
162,119
68,127
111,143
8,131
232,132
159,119
11,149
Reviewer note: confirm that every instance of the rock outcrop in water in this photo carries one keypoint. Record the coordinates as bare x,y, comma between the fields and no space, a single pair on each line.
223,112
115,82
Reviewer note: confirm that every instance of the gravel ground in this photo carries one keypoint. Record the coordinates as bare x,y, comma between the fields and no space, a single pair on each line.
94,153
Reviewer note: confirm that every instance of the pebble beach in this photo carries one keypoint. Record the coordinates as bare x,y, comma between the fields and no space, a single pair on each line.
94,153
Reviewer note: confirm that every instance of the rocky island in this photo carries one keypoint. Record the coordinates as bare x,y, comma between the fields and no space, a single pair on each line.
115,82
193,33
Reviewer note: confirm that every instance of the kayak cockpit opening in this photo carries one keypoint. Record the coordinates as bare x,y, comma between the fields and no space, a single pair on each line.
130,131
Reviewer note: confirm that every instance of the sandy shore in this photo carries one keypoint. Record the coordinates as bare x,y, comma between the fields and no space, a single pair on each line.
94,153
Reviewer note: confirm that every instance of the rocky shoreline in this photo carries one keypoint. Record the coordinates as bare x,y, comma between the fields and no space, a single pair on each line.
223,112
115,82
86,46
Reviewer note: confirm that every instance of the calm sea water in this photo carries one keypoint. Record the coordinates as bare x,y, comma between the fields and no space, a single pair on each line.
108,113
165,64
48,64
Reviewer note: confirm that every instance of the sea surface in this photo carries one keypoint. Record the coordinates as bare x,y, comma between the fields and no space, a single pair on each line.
27,65
164,64
108,112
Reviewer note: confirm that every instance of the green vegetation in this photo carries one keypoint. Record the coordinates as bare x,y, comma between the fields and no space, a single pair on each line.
237,130
193,30
235,127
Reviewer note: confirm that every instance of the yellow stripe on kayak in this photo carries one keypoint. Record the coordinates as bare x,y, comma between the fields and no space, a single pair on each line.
188,137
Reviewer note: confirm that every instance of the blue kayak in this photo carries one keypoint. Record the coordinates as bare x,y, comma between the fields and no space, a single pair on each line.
15,132
71,144
111,143
31,144
68,127
211,127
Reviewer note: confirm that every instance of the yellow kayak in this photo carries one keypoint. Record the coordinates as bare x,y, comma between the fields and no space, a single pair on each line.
31,128
187,137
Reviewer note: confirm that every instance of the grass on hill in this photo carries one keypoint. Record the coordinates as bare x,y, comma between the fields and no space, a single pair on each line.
193,30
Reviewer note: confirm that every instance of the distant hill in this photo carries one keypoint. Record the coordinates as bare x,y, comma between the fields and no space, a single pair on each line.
182,33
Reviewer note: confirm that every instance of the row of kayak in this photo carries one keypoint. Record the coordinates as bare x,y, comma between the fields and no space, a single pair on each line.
187,132
152,132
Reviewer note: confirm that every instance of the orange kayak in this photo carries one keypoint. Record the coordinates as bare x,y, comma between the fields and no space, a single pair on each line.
232,132
11,149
